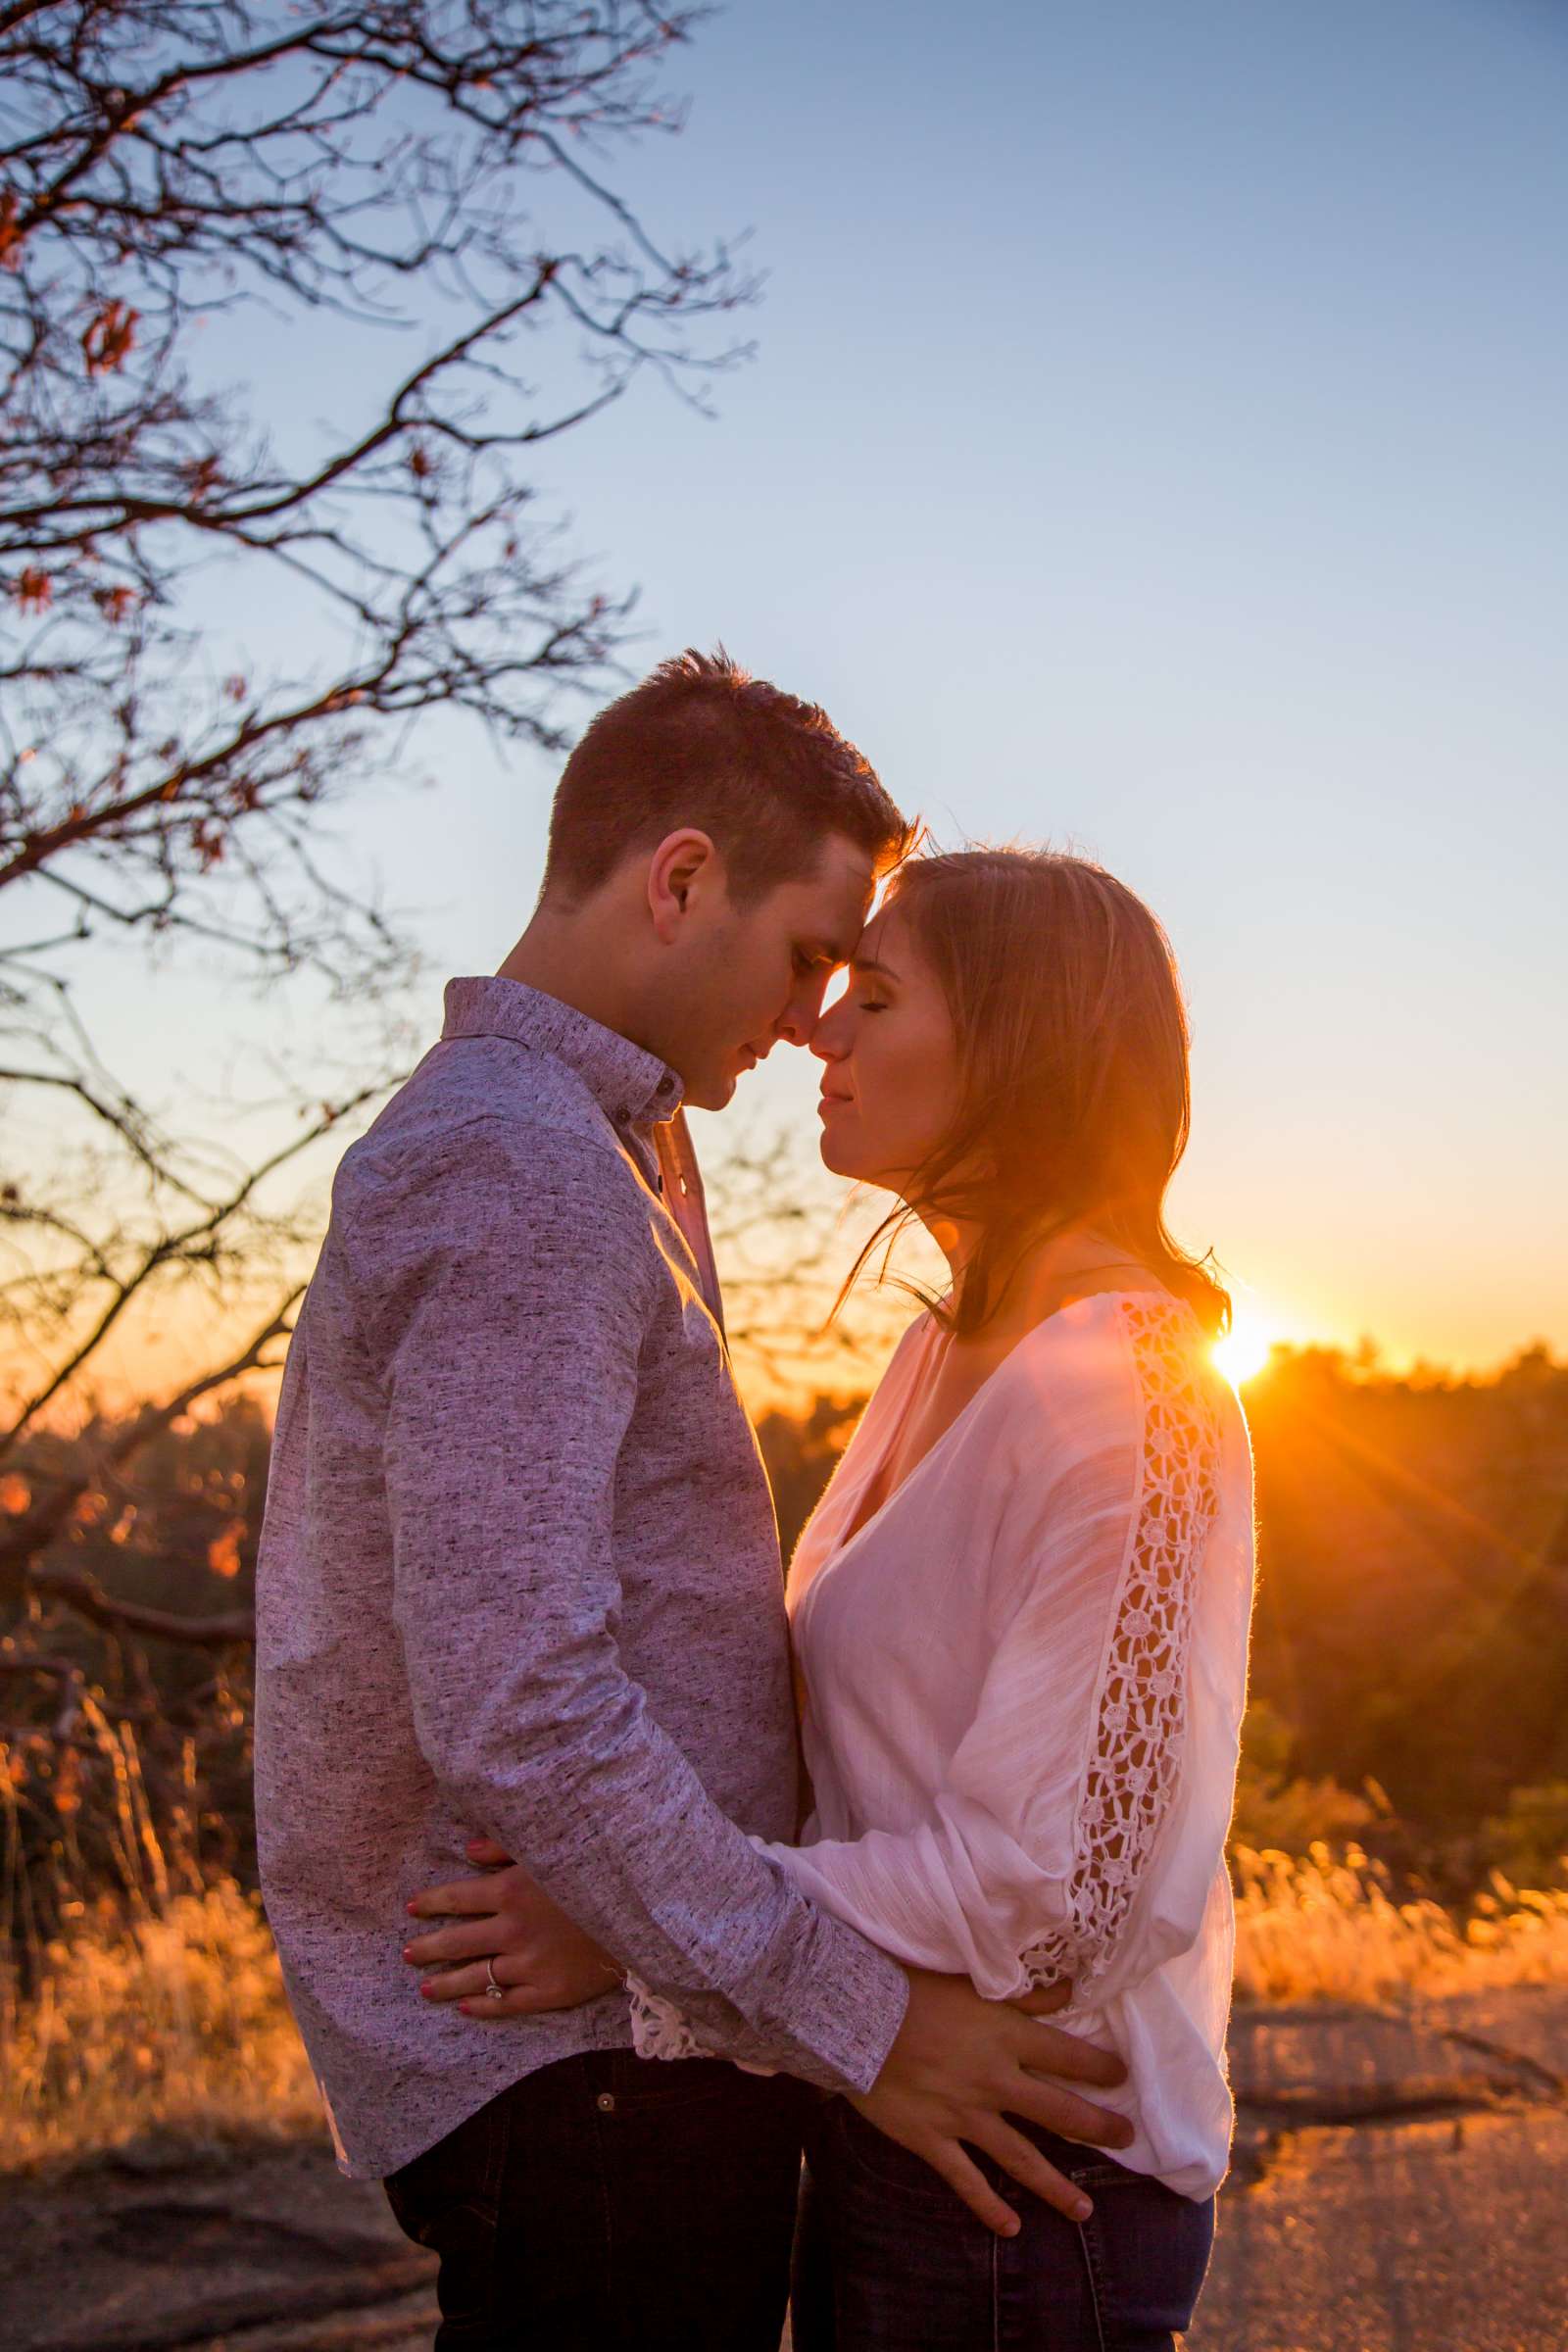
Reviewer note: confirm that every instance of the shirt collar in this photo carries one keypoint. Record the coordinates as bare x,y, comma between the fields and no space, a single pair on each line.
632,1088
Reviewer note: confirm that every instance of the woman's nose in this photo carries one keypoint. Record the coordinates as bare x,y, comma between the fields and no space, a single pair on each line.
830,1039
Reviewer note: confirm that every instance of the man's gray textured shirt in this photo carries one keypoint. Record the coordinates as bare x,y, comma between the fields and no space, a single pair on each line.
519,1576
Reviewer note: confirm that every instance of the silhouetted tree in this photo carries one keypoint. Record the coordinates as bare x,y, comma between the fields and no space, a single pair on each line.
1411,1622
431,181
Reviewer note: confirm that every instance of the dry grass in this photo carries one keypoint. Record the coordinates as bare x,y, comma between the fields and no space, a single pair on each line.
1316,1927
173,2022
157,2004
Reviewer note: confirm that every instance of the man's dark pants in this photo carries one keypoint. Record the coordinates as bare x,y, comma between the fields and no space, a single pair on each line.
614,2201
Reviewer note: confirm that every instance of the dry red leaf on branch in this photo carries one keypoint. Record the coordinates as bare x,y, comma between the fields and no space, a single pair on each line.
106,339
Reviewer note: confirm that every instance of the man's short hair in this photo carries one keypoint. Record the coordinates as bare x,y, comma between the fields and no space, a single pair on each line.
702,743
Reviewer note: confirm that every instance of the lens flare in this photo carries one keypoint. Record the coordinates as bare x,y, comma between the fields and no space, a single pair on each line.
1244,1349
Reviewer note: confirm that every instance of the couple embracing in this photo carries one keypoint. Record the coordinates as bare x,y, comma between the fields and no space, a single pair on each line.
525,1662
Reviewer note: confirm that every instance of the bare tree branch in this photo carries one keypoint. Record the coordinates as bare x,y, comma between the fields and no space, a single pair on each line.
89,1599
432,186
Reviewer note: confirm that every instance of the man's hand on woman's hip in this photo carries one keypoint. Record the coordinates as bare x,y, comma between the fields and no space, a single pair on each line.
960,2066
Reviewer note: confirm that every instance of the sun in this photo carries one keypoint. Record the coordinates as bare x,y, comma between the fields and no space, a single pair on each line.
1244,1349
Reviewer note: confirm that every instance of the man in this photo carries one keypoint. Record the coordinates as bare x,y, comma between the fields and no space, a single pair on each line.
519,1574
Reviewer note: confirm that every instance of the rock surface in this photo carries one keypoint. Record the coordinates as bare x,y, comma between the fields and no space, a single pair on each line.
1397,2181
261,2248
1398,2187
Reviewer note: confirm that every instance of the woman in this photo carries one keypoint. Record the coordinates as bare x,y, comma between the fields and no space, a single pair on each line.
1020,1608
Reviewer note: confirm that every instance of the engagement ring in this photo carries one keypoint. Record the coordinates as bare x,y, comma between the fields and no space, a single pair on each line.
493,1989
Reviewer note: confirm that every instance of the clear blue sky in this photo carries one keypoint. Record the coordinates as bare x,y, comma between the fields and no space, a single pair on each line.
1157,444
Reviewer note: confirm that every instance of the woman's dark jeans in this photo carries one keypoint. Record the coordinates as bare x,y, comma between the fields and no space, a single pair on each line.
611,2201
887,2259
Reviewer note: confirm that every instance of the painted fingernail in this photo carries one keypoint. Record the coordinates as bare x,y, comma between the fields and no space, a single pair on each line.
413,1908
408,1951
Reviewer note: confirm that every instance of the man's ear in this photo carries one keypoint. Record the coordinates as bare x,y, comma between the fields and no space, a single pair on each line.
684,864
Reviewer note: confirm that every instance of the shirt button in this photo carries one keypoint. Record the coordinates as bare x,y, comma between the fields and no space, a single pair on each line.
605,2102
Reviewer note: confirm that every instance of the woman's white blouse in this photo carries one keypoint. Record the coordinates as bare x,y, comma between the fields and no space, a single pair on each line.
1024,1679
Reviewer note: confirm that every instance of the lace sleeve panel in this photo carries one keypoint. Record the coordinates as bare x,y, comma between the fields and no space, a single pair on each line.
1140,1702
658,2028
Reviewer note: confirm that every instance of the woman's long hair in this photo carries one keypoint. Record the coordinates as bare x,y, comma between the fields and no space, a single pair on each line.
1072,1048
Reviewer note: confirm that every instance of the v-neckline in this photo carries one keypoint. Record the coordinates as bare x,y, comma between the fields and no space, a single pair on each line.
885,1451
847,1543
